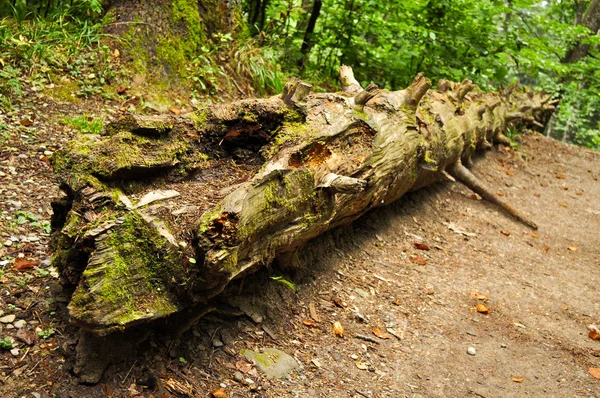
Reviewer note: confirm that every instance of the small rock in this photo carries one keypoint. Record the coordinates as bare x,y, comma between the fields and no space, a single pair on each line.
8,243
22,156
15,239
249,381
217,343
20,324
46,262
15,352
238,377
2,174
48,153
8,318
503,345
471,351
223,385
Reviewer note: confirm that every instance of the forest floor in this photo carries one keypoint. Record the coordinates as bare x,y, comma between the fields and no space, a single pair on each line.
407,277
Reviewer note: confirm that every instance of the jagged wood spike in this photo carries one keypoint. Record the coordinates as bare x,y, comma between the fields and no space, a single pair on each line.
462,174
367,94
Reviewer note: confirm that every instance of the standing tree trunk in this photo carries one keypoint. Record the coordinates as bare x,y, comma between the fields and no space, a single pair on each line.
307,43
162,212
161,36
591,20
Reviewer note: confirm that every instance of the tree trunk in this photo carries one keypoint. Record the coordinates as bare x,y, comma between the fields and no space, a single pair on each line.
307,42
161,36
591,20
162,212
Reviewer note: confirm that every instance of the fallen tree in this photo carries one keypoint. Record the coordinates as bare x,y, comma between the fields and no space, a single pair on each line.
162,212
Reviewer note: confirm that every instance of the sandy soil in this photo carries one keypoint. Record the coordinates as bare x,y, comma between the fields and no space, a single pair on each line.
539,286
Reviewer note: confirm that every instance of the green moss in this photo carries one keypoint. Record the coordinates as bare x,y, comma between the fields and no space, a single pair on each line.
199,118
64,91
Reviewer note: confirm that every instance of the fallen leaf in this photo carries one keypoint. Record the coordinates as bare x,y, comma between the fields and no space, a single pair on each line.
537,195
243,366
23,264
419,260
175,111
313,312
108,390
121,90
338,329
396,302
517,379
26,122
595,372
563,204
476,197
380,333
337,301
116,53
545,248
480,296
505,233
482,309
309,323
572,248
564,187
362,365
316,362
560,176
421,246
500,193
219,393
534,235
510,172
594,335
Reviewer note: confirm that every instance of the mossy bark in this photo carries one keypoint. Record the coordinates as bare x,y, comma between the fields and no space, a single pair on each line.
162,36
162,213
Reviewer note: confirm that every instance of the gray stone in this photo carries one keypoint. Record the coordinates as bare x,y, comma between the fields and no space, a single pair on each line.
238,377
20,324
471,351
15,352
272,362
8,318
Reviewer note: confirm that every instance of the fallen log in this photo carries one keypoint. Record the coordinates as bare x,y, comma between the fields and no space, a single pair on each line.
160,213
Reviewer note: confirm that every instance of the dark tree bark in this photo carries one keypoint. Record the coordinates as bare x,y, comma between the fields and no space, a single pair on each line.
307,43
591,20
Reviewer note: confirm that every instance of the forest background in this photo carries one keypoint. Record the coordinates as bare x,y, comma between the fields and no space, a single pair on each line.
218,50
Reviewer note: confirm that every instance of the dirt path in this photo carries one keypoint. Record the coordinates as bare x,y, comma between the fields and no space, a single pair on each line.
541,289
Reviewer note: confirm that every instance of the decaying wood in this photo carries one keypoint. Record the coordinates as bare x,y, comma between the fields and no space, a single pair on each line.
162,212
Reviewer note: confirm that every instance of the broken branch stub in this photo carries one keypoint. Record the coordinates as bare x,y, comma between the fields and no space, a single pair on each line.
160,219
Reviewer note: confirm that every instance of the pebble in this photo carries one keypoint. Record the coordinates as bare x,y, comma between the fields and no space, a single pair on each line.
20,323
471,351
249,381
2,174
48,153
223,385
217,343
8,318
238,377
15,352
14,239
8,243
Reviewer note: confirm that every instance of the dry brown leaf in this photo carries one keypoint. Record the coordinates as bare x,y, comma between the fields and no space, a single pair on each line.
121,90
595,372
500,193
480,296
537,195
476,197
505,233
510,172
421,246
545,248
175,111
380,333
362,365
219,393
518,379
482,309
337,301
243,366
108,390
419,260
563,204
338,329
397,302
26,122
313,312
309,323
564,187
560,176
594,335
534,235
23,264
572,248
116,53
